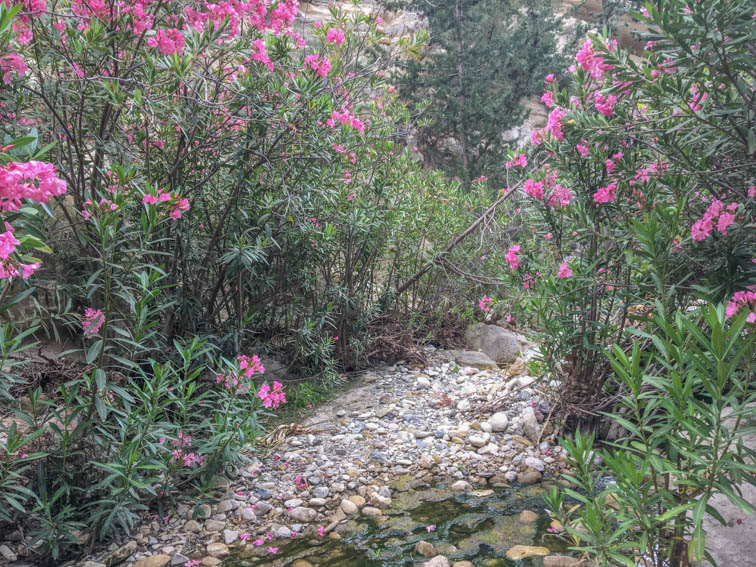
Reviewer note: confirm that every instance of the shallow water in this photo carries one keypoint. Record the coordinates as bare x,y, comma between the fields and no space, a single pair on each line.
479,527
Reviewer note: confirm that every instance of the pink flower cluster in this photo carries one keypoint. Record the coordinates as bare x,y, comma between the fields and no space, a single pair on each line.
9,268
12,63
272,397
549,191
724,217
93,320
91,208
168,41
564,270
335,35
261,54
485,303
34,180
520,160
591,62
605,104
176,204
248,367
746,299
345,118
511,257
606,194
321,65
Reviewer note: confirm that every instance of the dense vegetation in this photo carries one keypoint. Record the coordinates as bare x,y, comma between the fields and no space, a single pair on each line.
182,186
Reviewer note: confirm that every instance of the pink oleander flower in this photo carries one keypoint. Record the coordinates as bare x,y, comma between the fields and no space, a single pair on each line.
168,41
33,180
548,99
606,194
520,160
564,270
335,35
485,303
272,550
93,320
743,299
258,542
272,397
10,64
511,257
582,150
8,243
550,78
243,536
430,528
321,531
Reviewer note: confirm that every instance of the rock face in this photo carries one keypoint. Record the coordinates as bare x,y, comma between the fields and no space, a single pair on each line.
498,344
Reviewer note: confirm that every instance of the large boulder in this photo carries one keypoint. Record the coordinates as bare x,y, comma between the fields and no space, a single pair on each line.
500,345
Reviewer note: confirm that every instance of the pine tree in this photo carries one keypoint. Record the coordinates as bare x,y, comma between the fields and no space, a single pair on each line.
482,59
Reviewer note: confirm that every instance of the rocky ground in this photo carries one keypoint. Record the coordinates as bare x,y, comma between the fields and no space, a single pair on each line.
461,421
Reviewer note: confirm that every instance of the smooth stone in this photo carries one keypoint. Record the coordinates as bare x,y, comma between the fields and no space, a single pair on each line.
463,564
192,526
560,561
524,551
217,549
210,562
349,507
301,514
477,441
227,506
499,421
439,561
357,500
302,563
179,559
293,503
425,549
529,477
461,486
371,511
7,553
230,536
475,359
534,463
320,492
528,517
214,525
153,561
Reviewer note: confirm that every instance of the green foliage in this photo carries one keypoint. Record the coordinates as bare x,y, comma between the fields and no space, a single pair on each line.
467,86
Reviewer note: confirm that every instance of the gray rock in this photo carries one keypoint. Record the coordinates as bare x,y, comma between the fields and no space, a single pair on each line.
293,503
461,486
475,359
530,426
192,526
7,552
477,440
214,525
349,507
301,514
371,511
320,492
230,536
499,421
227,506
534,463
262,508
178,559
248,515
499,344
438,561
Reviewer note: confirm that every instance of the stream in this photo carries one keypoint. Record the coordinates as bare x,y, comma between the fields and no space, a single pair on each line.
479,527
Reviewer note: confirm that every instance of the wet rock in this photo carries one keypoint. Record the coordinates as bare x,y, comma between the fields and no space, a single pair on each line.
524,551
528,517
560,561
461,486
528,477
425,549
498,344
153,561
